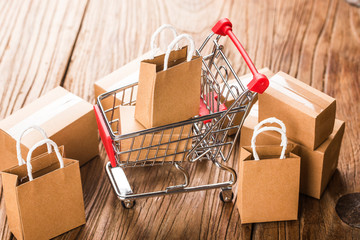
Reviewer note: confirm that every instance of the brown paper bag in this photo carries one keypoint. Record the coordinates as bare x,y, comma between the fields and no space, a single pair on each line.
168,95
128,74
43,197
268,184
317,166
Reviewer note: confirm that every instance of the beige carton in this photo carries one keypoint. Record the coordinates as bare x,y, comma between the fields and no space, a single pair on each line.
308,114
248,127
66,118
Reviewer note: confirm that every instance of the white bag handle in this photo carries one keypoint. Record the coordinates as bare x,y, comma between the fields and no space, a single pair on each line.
175,41
21,161
271,120
42,142
264,129
156,33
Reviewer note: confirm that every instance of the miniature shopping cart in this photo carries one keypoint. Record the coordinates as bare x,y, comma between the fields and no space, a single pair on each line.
204,137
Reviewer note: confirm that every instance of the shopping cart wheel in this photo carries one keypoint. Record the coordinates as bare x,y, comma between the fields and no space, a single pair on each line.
128,204
226,196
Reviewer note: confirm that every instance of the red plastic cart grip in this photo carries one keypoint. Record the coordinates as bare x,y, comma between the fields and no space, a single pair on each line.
203,111
260,82
105,136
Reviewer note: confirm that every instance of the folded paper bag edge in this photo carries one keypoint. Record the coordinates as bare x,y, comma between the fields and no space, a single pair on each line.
14,190
9,183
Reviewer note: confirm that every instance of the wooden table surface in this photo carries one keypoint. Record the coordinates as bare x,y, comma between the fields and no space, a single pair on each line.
44,44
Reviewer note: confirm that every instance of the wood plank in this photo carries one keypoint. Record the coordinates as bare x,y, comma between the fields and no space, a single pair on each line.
293,36
315,41
36,41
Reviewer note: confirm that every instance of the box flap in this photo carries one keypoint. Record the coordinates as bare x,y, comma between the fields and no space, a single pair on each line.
298,94
9,182
53,112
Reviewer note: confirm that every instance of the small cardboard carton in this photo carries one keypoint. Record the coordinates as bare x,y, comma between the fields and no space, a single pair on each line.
124,76
66,118
151,147
229,99
308,114
250,122
268,188
317,166
45,202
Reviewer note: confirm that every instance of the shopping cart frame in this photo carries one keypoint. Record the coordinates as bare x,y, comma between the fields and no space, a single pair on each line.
208,132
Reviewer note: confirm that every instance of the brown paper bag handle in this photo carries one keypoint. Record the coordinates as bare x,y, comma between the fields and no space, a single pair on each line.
172,44
36,145
264,129
21,161
153,46
271,120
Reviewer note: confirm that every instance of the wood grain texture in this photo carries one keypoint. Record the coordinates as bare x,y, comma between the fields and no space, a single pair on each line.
36,42
74,43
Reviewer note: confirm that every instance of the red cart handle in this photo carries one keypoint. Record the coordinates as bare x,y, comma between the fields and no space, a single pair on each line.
260,82
105,136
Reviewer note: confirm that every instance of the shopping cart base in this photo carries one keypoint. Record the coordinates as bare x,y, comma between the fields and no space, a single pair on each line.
124,192
118,180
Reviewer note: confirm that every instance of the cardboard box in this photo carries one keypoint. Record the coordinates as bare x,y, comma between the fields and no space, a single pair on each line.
308,114
268,188
156,145
229,99
248,127
317,166
124,76
47,206
171,95
67,120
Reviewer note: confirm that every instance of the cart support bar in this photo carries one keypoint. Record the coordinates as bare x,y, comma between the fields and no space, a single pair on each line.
104,135
260,82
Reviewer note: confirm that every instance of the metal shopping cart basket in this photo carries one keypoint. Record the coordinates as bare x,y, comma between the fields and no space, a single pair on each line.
204,137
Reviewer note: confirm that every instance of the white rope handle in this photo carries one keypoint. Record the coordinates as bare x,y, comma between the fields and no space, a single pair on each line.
175,41
21,161
153,46
264,129
42,142
271,120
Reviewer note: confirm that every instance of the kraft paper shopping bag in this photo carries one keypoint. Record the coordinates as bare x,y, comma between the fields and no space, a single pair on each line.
317,166
128,74
169,86
269,178
43,197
